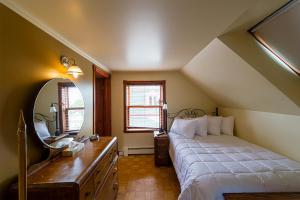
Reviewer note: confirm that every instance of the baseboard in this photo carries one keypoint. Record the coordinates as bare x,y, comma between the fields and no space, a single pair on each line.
138,150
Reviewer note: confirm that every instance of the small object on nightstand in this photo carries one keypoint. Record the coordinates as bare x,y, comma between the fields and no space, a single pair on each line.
161,148
160,133
94,137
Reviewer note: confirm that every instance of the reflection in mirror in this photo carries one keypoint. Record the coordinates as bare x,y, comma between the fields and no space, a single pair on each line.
58,112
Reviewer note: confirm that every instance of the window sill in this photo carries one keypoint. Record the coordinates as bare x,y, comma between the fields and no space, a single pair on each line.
75,132
140,131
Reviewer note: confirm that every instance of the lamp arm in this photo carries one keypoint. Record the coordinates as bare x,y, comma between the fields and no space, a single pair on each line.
72,60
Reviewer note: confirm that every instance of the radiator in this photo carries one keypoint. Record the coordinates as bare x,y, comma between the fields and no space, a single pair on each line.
138,150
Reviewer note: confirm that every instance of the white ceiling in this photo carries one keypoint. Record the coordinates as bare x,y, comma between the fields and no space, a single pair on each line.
134,34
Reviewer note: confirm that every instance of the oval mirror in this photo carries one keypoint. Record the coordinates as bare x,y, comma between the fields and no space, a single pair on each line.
58,112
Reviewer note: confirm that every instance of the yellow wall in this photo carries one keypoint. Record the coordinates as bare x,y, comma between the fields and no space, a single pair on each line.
181,93
244,45
28,57
232,82
277,132
278,128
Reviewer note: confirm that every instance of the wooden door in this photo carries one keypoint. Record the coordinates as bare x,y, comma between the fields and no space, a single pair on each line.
102,103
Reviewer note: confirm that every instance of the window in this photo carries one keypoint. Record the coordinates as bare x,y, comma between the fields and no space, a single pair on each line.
143,102
279,34
71,108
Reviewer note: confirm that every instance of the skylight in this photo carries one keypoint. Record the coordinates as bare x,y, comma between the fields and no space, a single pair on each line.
279,33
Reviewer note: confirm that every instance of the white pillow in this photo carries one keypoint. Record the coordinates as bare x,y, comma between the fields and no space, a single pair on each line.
41,129
214,125
201,128
227,125
184,127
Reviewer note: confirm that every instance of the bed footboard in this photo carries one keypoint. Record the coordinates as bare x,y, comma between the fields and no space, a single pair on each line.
263,196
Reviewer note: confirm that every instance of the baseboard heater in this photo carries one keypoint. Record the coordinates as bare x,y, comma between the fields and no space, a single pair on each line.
138,150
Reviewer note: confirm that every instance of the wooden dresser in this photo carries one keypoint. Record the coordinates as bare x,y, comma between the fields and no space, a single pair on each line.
90,174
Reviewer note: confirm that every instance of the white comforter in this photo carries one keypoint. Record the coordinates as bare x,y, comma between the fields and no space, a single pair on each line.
209,166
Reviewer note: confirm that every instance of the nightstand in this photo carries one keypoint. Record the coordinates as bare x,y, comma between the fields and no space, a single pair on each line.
161,149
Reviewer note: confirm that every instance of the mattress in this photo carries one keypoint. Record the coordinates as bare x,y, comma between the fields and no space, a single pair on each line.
209,166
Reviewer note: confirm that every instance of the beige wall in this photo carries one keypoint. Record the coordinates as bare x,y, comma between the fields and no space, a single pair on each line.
232,82
28,57
277,132
244,45
181,93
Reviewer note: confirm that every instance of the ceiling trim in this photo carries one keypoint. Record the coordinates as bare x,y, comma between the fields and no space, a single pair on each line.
22,12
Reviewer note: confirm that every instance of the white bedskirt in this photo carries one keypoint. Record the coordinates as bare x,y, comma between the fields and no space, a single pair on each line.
209,166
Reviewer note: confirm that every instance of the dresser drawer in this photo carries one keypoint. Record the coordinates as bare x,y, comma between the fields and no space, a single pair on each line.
73,178
87,190
162,142
161,145
109,189
103,166
162,156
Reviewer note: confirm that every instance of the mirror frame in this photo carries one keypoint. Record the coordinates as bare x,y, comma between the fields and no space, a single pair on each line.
53,150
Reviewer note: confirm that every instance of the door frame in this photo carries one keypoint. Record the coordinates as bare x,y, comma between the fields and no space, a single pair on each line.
99,73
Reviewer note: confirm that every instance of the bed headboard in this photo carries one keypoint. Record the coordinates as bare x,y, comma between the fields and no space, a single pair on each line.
186,113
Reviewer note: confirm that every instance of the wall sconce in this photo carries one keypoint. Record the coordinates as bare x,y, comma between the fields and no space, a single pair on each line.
73,69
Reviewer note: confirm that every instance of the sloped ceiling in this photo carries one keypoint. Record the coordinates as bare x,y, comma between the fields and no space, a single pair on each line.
255,14
244,45
165,35
134,34
237,72
232,82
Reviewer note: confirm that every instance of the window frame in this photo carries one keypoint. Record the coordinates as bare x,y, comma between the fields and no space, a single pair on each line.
62,112
161,83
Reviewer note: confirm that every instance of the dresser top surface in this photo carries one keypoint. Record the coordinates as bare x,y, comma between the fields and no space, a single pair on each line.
72,169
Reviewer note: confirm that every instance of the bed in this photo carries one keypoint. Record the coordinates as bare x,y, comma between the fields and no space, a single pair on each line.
214,167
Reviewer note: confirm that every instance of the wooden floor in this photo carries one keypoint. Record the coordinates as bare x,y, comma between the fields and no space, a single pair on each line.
139,179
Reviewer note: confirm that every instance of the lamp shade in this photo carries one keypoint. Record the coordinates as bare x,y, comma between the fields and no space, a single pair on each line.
52,109
165,106
74,70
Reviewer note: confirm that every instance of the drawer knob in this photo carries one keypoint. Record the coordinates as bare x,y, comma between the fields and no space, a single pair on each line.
87,194
115,171
115,186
